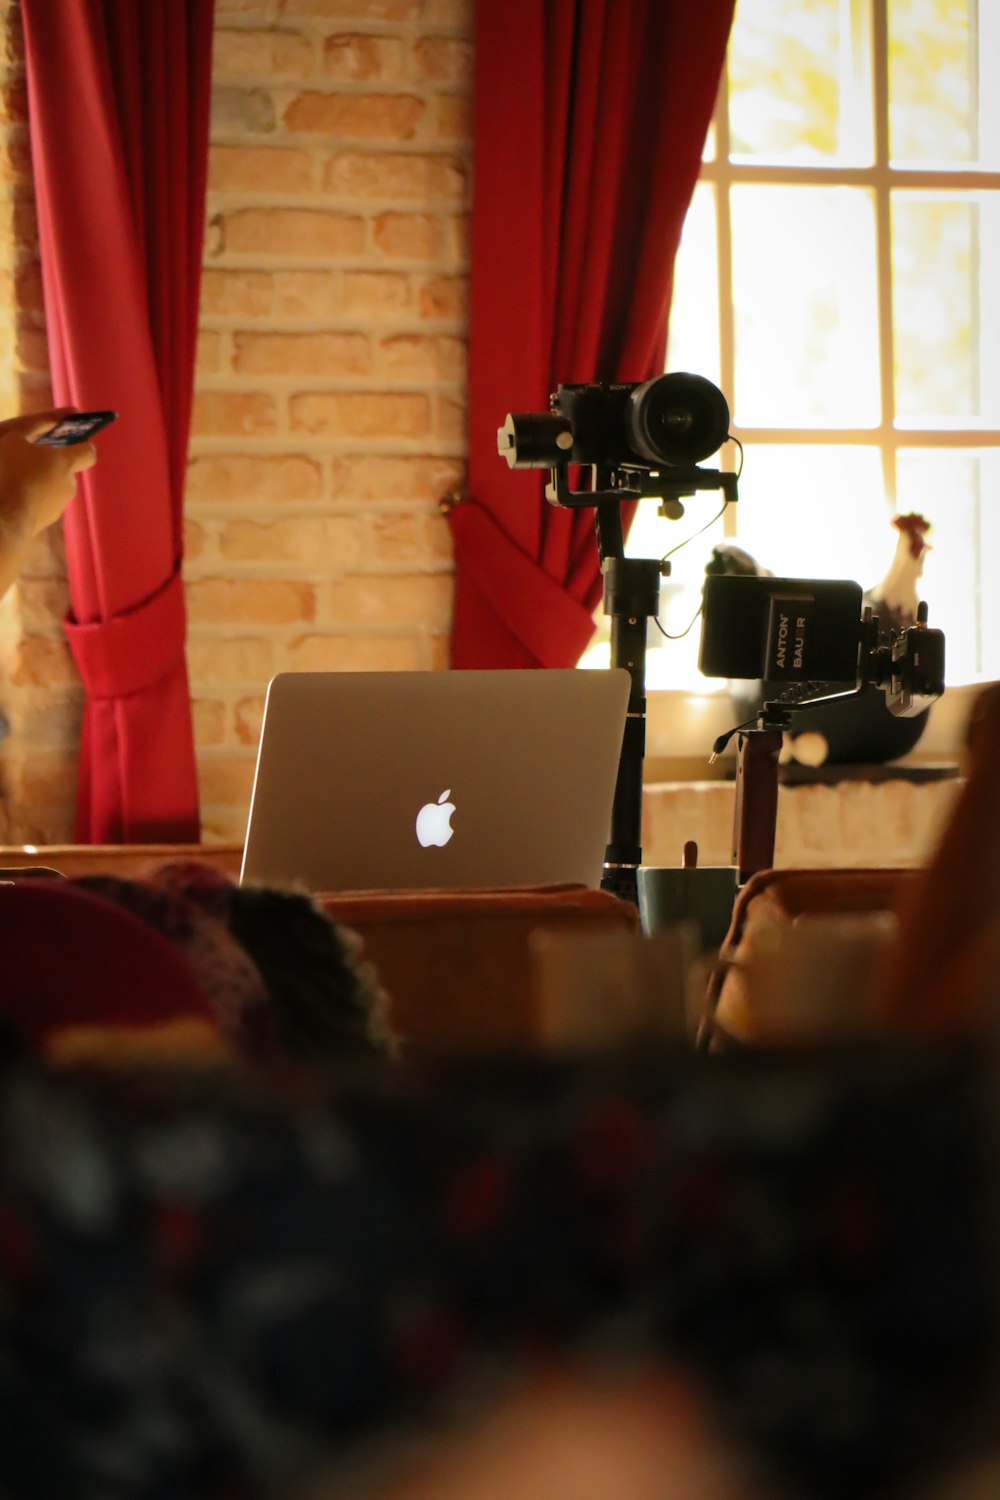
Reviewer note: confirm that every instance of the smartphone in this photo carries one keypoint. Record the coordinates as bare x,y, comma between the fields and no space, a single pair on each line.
77,428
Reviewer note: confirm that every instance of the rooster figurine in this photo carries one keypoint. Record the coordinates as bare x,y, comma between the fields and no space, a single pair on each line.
896,598
862,730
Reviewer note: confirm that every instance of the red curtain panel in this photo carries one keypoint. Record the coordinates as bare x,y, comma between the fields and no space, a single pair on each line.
119,106
589,120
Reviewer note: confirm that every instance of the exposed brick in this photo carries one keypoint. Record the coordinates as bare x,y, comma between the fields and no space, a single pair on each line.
213,237
224,662
353,10
451,420
389,599
457,14
379,414
452,117
445,297
237,110
195,540
410,236
242,601
209,717
392,477
222,825
395,175
249,717
210,353
252,479
419,357
375,294
259,169
233,294
42,662
440,653
396,538
49,718
261,54
438,537
306,294
233,414
444,59
326,543
329,356
459,241
301,232
250,10
347,653
372,117
44,780
226,778
364,58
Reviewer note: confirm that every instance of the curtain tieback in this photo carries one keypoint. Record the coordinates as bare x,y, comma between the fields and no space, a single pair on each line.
133,650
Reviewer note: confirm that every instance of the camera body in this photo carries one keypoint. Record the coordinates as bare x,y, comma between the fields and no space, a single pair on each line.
673,419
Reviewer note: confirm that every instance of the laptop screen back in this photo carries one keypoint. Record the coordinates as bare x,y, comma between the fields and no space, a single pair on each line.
423,780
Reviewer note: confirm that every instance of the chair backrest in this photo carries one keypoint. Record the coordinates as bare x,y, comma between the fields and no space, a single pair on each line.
73,965
777,898
942,976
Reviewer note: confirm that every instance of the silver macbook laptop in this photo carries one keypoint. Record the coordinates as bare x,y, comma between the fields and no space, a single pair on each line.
416,780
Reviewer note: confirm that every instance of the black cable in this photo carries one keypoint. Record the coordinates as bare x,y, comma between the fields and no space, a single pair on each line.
684,632
719,514
695,533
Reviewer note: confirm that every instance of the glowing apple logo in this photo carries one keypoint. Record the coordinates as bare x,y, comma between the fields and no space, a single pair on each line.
434,821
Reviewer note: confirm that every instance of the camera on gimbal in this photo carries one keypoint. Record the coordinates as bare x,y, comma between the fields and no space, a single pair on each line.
639,438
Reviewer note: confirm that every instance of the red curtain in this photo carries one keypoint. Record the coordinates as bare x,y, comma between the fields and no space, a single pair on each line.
590,118
119,107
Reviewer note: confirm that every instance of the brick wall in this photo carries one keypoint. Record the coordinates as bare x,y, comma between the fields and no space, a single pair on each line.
329,409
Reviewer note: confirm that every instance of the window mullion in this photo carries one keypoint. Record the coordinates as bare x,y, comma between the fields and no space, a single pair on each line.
883,244
724,254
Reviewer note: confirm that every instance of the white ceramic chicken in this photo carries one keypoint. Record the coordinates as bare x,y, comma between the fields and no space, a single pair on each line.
896,598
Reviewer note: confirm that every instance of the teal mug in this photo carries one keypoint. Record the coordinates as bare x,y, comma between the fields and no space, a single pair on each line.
702,894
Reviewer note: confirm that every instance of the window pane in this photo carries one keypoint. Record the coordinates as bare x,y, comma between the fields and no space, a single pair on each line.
816,512
958,582
933,110
806,321
674,663
798,89
946,318
693,332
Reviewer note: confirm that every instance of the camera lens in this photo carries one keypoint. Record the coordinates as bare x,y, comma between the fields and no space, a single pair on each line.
677,419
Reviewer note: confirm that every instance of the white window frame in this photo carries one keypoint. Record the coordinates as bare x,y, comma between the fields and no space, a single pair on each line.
882,179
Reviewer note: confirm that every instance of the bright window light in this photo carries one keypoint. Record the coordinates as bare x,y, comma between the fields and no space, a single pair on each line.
836,278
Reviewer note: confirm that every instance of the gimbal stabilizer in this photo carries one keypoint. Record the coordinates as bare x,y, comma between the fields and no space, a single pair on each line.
636,440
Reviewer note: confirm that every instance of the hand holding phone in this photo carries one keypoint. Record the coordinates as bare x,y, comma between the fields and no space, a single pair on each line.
78,427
